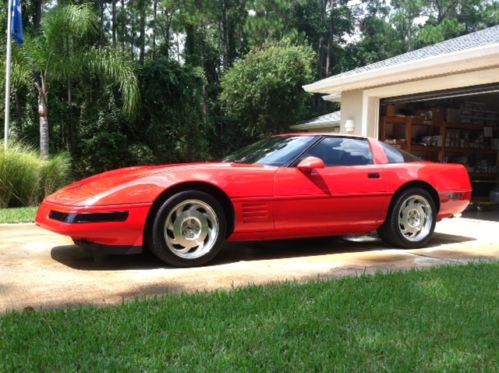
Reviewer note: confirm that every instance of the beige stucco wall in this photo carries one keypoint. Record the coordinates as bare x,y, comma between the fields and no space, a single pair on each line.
351,108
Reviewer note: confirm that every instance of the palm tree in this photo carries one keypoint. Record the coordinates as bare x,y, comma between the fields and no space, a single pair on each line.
65,51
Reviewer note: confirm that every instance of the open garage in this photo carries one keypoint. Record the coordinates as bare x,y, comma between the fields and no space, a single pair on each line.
452,126
440,103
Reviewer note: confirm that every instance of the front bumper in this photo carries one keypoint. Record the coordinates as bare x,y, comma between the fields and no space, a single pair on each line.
117,225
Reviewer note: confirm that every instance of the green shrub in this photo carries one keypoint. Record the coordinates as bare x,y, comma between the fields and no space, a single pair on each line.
263,92
25,178
54,173
140,154
19,176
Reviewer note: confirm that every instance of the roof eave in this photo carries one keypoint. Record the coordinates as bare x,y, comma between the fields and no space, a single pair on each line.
335,97
392,74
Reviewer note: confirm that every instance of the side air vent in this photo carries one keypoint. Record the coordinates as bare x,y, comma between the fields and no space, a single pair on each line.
255,212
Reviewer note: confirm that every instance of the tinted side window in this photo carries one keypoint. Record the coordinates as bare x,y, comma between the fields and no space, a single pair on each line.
339,151
395,155
272,151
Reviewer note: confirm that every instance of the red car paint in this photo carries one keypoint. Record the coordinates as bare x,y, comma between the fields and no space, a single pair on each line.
268,202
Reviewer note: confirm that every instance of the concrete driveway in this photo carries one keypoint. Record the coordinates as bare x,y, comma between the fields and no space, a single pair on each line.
41,270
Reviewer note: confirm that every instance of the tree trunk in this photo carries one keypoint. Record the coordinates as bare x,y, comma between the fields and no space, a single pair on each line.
440,11
155,11
322,52
330,41
167,33
37,18
19,112
114,23
132,36
71,128
193,47
123,28
43,117
327,65
225,31
318,101
142,25
101,23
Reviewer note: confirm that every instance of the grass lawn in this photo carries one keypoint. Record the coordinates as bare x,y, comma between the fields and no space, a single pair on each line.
440,319
18,215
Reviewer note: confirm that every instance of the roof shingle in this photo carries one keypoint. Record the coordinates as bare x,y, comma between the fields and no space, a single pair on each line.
323,121
476,39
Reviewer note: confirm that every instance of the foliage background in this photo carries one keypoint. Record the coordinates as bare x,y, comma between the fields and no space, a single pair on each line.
25,179
211,75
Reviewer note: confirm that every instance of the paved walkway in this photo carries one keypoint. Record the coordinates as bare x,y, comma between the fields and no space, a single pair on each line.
40,269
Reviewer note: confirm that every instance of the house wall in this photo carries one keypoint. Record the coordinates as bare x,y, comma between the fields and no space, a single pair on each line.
351,108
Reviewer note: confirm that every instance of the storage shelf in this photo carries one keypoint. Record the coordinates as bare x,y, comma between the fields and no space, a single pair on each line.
396,119
464,126
469,150
480,177
415,121
424,148
405,127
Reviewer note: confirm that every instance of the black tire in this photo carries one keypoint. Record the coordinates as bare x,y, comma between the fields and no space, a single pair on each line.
187,226
394,231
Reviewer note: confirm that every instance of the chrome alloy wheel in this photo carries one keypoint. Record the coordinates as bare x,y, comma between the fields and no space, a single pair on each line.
191,229
415,218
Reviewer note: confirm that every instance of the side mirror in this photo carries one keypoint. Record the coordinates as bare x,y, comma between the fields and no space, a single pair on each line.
310,163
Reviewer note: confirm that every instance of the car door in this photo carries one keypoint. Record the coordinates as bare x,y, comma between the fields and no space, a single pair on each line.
348,195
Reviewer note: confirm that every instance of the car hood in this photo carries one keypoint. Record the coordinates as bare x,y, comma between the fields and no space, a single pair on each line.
88,191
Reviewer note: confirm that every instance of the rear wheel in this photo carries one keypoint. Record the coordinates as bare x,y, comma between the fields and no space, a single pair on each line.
411,220
189,229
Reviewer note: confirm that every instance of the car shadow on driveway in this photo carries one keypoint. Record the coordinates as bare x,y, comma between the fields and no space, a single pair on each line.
77,258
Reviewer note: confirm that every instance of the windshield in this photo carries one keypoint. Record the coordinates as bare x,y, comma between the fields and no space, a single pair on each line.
272,151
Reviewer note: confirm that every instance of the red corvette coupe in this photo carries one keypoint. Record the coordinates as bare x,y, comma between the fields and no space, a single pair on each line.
286,186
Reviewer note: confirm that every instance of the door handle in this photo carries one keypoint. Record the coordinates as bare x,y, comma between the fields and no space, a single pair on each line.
373,175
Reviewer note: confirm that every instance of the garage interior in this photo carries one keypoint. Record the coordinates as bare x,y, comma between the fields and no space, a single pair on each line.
452,126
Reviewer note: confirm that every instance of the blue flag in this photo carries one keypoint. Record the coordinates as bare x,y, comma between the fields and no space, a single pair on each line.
17,22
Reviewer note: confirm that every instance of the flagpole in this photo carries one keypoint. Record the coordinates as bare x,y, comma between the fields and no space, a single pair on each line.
7,75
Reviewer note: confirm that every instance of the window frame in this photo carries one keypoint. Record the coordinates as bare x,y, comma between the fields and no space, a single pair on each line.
323,138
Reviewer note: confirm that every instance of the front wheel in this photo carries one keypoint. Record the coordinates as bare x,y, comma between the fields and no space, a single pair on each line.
189,229
411,221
